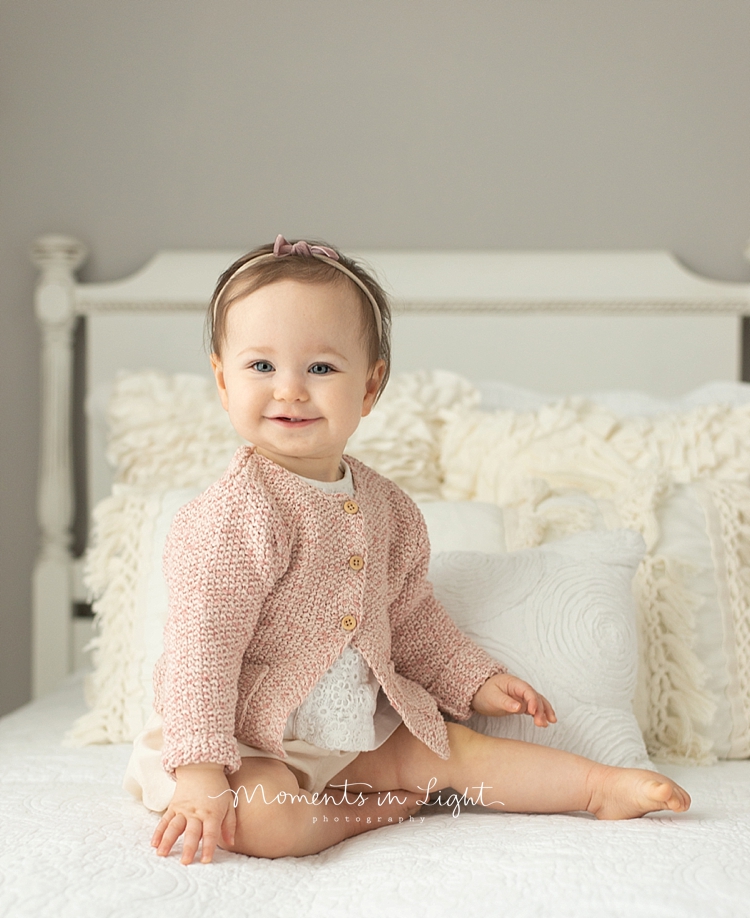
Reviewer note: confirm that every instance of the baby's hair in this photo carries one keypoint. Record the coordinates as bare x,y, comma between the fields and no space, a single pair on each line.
235,284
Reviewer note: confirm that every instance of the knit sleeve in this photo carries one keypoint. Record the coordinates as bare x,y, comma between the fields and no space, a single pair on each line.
426,645
222,558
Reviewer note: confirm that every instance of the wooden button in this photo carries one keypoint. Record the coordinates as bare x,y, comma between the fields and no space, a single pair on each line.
351,506
348,623
356,562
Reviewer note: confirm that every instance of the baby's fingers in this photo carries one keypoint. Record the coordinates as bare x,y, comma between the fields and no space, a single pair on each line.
209,831
159,830
192,839
509,704
229,827
539,713
171,833
210,840
542,712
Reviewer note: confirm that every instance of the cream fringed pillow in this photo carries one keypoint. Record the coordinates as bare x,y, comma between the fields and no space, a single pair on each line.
401,437
683,482
168,431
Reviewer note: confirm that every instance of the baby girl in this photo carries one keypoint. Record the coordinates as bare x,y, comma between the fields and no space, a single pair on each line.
307,665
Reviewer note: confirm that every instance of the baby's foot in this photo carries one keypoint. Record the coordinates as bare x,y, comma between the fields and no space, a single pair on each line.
625,793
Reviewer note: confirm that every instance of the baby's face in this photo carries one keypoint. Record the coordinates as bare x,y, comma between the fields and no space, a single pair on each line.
294,374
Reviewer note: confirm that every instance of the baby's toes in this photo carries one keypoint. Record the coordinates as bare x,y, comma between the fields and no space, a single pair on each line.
680,800
662,790
671,795
657,793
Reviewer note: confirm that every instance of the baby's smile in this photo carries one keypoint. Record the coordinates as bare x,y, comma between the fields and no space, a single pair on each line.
293,422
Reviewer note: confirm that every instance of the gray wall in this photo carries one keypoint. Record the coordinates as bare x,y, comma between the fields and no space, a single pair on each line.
146,124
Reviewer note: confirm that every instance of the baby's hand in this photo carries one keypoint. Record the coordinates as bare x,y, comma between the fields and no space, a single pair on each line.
505,694
200,809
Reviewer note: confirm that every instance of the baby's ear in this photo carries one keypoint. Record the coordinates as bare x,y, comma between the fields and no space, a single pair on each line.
218,368
372,386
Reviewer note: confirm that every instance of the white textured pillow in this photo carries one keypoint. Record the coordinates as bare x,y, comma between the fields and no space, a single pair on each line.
561,617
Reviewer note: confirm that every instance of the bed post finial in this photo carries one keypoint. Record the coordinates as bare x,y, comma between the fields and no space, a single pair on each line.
58,253
57,257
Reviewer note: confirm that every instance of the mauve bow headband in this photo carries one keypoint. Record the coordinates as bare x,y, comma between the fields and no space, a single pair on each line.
282,248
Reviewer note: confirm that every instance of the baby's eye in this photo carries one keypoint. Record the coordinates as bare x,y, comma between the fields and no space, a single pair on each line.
321,369
262,366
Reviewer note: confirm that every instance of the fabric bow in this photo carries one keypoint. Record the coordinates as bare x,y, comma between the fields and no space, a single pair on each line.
281,248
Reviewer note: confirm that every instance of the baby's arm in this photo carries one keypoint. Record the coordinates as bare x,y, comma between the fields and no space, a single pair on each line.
221,560
430,649
426,644
202,807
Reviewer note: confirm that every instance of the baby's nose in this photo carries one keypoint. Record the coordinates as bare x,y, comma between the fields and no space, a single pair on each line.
290,387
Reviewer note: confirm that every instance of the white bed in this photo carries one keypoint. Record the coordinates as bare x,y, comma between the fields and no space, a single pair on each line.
74,843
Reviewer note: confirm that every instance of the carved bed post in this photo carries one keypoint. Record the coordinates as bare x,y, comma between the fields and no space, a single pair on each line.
57,257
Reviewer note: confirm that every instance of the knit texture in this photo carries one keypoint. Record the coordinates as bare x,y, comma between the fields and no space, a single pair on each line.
259,582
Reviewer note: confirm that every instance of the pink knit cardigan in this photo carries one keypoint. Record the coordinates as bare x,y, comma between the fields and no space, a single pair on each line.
264,596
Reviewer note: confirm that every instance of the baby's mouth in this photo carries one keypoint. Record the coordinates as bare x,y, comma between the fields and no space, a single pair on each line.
292,422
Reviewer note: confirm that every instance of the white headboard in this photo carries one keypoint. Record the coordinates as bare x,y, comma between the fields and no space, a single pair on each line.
558,322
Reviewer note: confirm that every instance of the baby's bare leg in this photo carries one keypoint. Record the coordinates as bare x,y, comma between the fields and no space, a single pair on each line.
275,818
514,777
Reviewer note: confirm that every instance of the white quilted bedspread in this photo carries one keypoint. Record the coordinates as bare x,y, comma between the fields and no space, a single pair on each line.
74,844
